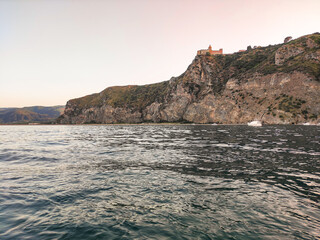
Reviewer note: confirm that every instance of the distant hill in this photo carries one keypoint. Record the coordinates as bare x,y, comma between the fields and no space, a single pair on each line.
35,114
277,84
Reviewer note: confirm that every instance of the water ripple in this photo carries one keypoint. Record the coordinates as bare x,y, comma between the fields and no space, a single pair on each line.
159,182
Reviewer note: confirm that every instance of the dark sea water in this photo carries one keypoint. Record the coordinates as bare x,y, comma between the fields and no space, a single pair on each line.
159,182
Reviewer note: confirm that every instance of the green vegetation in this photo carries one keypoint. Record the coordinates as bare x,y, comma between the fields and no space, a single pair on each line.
289,107
316,37
290,104
300,62
259,59
135,97
261,101
262,59
250,60
314,116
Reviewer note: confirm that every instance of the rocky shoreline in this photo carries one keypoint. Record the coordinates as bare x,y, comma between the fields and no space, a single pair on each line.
277,84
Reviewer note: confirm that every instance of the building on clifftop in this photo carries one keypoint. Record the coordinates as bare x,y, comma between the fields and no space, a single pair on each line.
209,51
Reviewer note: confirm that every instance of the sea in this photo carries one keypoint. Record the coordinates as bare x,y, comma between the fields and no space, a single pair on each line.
159,182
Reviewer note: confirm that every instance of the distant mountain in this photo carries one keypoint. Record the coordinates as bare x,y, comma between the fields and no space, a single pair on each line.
35,114
277,84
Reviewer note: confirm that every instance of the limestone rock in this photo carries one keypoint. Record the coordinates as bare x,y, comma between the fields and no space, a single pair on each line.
277,85
287,39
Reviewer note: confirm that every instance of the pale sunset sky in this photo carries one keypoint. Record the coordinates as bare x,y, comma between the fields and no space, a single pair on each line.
55,50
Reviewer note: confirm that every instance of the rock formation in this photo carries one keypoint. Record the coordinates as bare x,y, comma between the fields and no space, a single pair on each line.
287,39
277,84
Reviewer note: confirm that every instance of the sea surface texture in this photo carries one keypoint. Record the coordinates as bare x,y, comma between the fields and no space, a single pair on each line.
159,182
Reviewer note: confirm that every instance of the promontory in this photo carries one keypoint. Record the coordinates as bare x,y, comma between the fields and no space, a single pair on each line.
277,84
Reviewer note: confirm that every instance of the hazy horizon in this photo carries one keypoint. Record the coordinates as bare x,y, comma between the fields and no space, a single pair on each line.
53,51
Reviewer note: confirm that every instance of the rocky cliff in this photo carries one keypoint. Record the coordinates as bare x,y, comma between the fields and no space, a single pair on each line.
278,84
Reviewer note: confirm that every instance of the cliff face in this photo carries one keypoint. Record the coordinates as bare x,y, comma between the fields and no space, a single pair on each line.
277,84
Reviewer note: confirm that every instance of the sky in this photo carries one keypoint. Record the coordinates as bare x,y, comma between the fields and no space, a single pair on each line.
52,51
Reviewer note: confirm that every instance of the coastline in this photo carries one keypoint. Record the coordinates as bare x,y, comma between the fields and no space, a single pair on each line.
151,124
